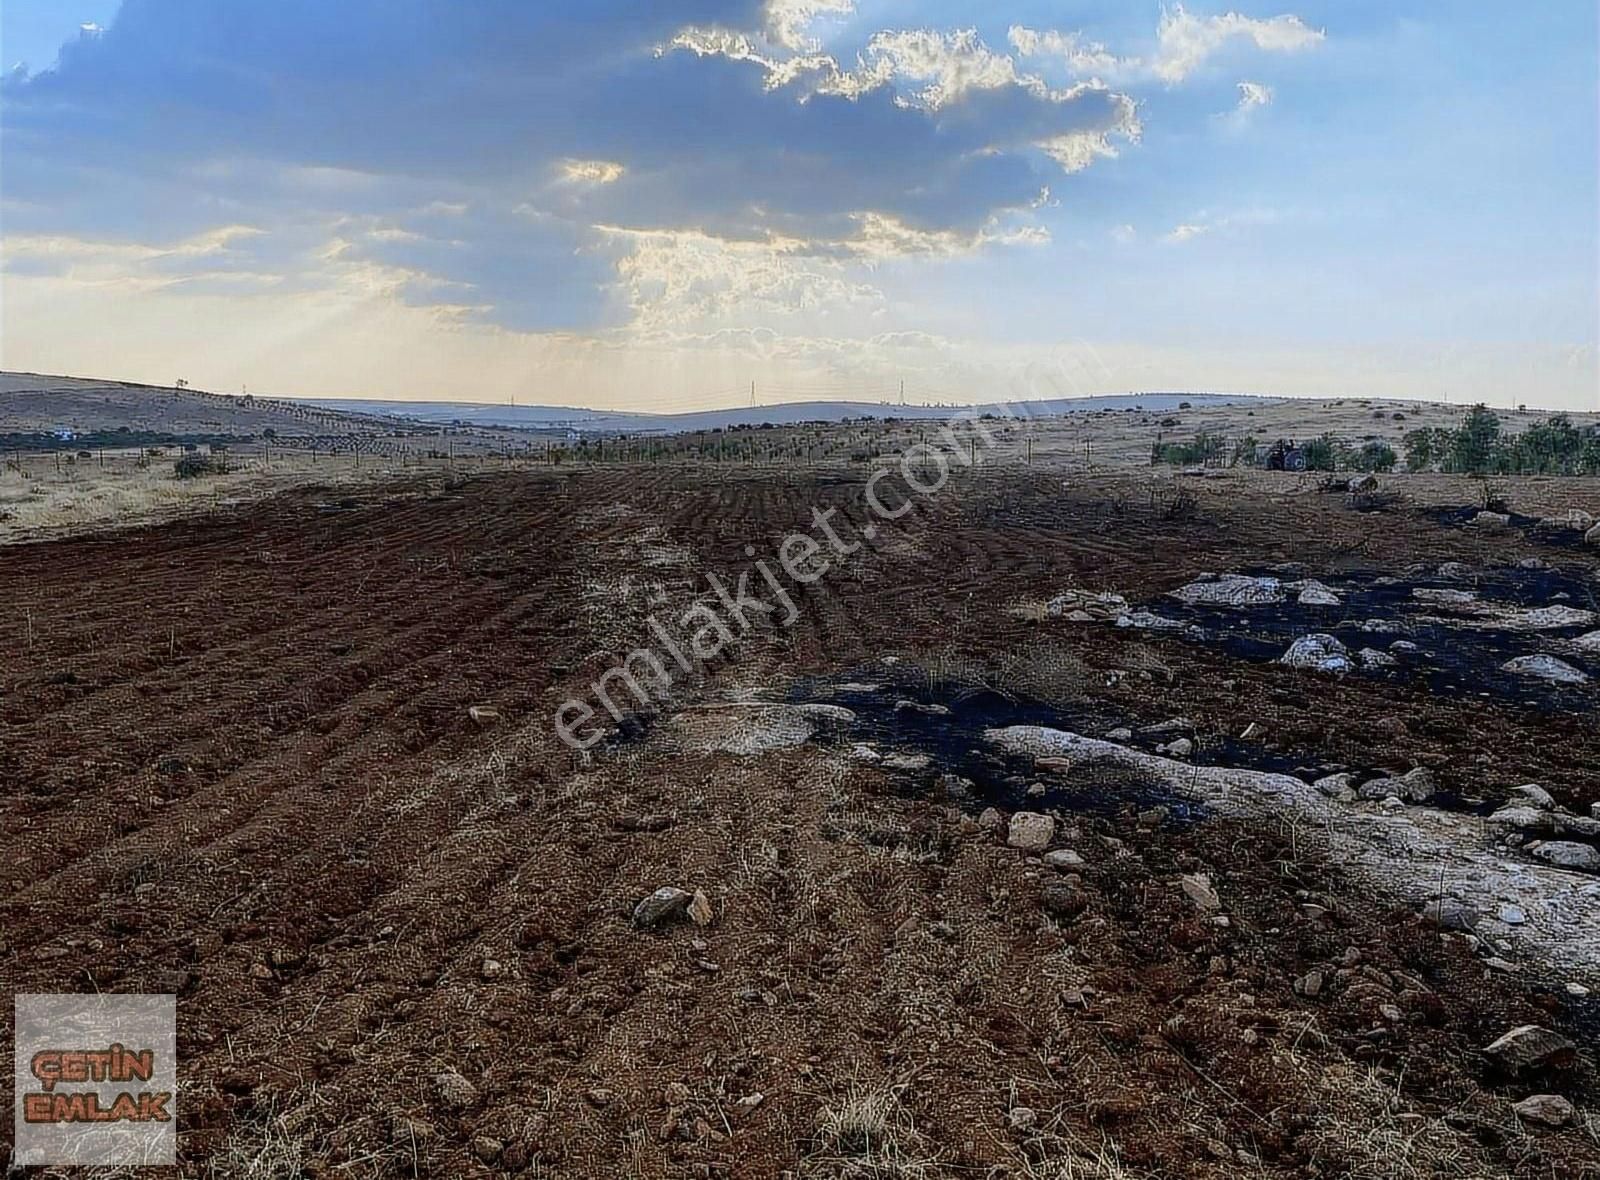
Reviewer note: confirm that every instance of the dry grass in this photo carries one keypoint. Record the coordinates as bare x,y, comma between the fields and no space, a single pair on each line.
259,1148
869,1133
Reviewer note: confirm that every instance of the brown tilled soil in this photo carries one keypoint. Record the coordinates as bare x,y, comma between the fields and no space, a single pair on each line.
236,763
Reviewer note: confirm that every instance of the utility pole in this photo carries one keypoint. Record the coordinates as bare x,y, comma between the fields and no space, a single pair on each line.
752,393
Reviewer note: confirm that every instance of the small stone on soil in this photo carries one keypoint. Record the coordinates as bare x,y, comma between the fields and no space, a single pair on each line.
1030,831
1197,887
1567,854
1065,859
1529,1046
665,903
1552,1110
1063,900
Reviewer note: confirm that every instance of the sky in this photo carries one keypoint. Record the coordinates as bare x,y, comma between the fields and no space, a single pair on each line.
679,204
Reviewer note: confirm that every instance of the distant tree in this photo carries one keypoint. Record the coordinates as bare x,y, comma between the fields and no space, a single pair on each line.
1472,447
1374,456
1322,454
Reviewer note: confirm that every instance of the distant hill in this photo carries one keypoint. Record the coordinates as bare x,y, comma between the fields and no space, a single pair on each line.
35,402
784,414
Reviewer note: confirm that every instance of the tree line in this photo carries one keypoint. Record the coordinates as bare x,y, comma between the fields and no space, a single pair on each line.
1480,446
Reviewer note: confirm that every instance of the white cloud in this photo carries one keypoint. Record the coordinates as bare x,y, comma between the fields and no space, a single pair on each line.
950,65
592,171
942,69
1252,96
789,21
1186,232
1185,41
1084,58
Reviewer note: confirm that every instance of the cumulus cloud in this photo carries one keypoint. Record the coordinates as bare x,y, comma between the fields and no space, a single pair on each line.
1253,95
592,171
1081,57
583,166
1185,41
1183,44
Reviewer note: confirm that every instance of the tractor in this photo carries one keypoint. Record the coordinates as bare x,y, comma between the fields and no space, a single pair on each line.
1286,456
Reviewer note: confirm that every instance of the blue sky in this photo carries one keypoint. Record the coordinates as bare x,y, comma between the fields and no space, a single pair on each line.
652,205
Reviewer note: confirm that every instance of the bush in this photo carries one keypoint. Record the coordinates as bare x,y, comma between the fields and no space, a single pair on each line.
1374,456
197,466
1205,448
1322,454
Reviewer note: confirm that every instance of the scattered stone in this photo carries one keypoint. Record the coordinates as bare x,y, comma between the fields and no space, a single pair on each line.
1529,1046
1592,537
1317,653
1573,520
1524,818
491,969
1362,483
1065,859
1537,795
1576,990
1143,620
1030,831
1234,590
483,715
1449,914
1551,1110
1454,571
1063,900
454,1090
1316,594
1178,748
700,909
1337,786
1126,735
1491,521
1022,1118
1568,854
487,1148
907,762
1197,887
1371,658
1084,607
1547,668
919,707
863,753
827,716
1513,915
990,820
1037,790
665,903
1415,786
1171,725
1589,643
1310,984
